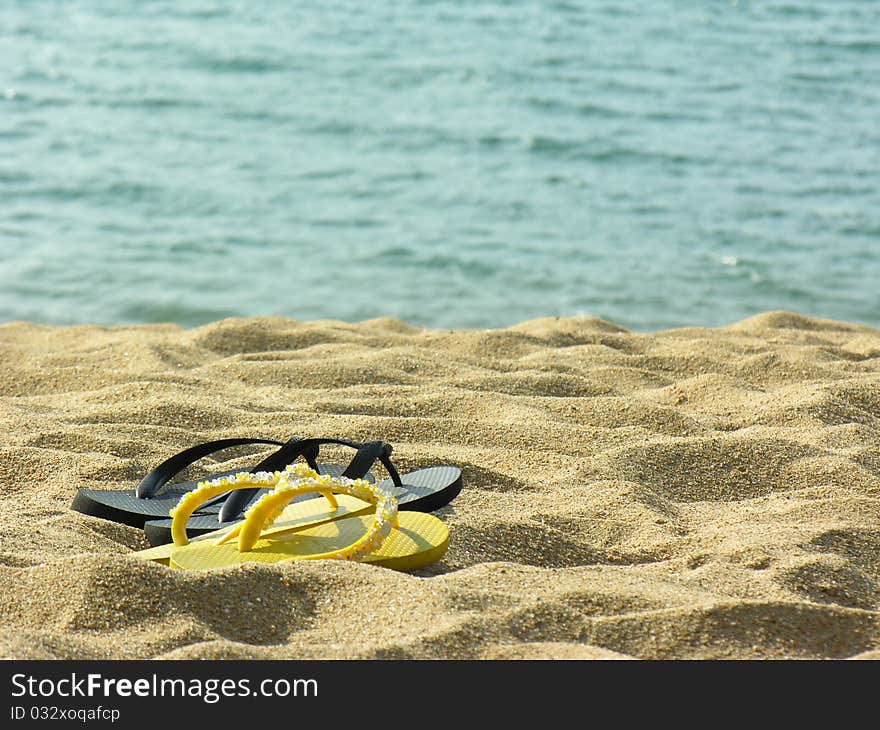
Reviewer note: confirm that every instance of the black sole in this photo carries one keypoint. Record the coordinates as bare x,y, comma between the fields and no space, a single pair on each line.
121,505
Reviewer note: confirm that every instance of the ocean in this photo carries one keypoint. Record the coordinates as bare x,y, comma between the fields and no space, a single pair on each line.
450,164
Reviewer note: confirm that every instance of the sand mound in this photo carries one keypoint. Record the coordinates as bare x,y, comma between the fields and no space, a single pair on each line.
693,493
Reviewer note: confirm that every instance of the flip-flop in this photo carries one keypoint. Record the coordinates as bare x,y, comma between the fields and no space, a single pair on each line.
422,490
398,540
152,498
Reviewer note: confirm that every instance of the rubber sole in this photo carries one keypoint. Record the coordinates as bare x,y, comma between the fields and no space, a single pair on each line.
419,540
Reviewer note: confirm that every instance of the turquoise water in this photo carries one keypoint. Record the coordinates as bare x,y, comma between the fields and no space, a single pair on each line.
451,164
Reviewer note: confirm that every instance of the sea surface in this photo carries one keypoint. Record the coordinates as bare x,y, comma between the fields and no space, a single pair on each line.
452,164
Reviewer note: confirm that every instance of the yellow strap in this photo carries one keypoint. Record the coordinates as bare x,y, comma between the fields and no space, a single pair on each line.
263,513
207,489
265,510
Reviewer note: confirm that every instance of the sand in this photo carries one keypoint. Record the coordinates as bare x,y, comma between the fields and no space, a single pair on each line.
688,494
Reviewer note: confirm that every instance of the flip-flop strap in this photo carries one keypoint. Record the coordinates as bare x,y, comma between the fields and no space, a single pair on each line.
236,503
207,490
265,510
150,485
365,458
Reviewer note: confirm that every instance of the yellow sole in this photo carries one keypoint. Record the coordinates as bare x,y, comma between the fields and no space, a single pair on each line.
419,540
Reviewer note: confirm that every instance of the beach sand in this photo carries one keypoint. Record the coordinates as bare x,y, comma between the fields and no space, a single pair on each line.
691,493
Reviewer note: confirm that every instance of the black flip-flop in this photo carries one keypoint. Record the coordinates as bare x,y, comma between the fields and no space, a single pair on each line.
153,497
423,490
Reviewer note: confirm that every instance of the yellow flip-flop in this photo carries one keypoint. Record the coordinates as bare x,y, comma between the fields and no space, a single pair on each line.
337,528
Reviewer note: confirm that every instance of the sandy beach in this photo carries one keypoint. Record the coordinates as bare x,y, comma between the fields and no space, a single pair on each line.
687,494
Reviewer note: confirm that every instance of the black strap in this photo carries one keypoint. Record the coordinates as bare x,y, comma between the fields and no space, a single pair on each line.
365,458
236,503
150,485
281,458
